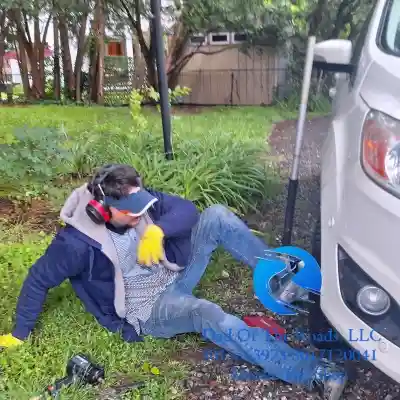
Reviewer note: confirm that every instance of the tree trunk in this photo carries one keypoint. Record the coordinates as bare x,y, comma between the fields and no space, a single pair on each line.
139,73
79,56
23,67
69,83
147,51
344,16
27,52
173,78
93,55
56,70
315,18
177,59
151,71
38,50
3,36
97,54
32,51
101,51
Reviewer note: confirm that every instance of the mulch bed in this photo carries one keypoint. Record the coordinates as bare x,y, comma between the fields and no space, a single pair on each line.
6,104
185,109
36,215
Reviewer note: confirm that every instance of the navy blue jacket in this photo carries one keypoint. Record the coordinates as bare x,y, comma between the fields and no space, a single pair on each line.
71,255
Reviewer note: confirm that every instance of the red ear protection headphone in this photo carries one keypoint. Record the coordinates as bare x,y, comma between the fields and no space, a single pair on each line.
97,208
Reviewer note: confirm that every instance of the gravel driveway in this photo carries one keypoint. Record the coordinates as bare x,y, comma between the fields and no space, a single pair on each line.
212,379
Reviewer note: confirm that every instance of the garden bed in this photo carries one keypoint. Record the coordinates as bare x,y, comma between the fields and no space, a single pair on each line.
37,214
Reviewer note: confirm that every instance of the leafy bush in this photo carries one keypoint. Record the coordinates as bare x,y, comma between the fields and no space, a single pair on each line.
317,102
115,99
33,158
217,153
211,165
231,176
148,93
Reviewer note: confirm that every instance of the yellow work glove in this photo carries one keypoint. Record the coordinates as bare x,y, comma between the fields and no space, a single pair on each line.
150,249
7,341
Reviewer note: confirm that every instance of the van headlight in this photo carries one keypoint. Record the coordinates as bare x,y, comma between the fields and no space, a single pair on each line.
381,150
373,300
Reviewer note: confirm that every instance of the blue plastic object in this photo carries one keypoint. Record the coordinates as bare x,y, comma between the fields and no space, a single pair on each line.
308,277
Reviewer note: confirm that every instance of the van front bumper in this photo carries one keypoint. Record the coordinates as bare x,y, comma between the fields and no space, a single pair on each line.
375,340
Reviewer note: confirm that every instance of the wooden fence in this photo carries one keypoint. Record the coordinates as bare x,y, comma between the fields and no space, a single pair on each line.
231,87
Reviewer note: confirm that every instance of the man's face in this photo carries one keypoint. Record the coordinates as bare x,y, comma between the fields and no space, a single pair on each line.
121,219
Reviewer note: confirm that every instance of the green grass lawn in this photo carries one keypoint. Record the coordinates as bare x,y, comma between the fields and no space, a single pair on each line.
217,160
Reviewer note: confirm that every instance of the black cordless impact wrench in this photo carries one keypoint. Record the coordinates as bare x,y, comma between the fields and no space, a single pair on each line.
80,370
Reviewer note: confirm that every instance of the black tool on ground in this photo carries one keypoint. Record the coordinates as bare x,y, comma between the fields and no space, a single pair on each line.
80,370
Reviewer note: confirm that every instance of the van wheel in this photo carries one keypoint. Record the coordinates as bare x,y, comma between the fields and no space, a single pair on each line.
317,322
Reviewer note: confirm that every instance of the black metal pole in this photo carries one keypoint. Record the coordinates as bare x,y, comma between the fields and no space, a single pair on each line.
289,212
162,78
294,176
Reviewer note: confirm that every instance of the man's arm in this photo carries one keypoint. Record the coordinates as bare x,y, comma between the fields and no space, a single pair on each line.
177,216
61,261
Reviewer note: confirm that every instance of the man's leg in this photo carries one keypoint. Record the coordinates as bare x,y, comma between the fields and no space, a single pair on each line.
176,312
218,226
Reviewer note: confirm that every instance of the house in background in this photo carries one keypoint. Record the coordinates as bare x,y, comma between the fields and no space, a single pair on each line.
230,75
116,48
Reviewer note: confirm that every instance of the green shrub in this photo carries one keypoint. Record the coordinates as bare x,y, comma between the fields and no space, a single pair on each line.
211,165
217,153
229,178
34,157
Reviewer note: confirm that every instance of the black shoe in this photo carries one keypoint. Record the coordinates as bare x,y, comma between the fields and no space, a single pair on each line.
330,380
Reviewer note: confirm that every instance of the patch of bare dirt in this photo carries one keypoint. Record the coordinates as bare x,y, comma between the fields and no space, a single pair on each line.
35,215
183,109
189,109
13,105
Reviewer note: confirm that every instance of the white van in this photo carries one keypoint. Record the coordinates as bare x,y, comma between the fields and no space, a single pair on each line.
358,237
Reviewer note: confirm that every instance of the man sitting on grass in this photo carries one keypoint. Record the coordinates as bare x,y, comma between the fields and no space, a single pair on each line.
136,271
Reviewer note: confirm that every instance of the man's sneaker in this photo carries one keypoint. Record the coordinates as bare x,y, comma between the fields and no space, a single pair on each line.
330,380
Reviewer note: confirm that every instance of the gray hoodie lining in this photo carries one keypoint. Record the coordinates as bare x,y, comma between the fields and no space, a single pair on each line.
73,213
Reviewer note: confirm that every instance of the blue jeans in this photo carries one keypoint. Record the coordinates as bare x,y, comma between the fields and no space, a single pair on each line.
177,311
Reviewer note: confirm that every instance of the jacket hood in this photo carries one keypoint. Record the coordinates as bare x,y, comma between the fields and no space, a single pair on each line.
74,213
